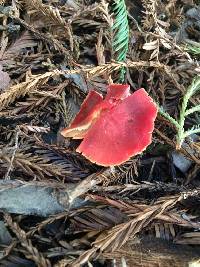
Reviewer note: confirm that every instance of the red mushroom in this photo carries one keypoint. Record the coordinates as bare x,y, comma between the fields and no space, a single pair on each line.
120,128
117,92
86,116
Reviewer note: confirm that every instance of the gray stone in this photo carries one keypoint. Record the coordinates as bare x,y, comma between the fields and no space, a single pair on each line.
182,163
29,199
5,237
38,198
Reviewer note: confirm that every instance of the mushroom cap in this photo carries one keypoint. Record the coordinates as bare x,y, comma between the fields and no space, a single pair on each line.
121,132
88,113
92,107
117,92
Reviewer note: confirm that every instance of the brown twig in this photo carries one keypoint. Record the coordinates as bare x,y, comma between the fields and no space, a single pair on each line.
32,252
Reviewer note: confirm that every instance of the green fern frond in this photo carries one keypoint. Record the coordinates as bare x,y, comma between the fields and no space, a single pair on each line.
121,33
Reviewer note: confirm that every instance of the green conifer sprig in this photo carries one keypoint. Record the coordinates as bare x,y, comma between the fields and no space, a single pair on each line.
121,33
184,112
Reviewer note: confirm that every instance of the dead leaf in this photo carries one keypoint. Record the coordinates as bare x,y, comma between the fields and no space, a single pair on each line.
4,79
151,45
163,23
25,40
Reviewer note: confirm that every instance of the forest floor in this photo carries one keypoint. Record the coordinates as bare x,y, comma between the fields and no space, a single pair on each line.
56,207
